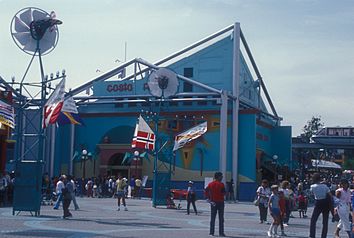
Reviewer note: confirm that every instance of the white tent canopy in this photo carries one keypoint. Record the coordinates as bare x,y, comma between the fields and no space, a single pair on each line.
325,164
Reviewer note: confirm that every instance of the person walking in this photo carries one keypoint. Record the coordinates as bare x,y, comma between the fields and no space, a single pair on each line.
343,209
138,187
230,191
73,197
67,190
263,193
121,186
215,192
274,210
59,186
323,200
191,197
3,189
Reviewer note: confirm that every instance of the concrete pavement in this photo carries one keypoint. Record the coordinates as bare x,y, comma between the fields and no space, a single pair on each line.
98,217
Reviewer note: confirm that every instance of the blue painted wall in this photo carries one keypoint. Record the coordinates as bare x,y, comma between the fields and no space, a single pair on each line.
212,66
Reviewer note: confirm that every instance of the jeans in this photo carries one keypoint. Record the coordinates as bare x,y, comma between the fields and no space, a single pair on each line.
217,208
189,201
321,206
57,203
74,201
263,212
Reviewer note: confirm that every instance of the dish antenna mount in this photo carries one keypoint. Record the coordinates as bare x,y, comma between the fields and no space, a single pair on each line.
35,31
163,83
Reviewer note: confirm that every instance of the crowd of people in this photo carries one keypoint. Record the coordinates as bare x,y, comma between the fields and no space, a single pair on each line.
328,195
64,189
281,200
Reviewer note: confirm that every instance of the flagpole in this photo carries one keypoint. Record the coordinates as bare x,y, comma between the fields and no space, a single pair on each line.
72,138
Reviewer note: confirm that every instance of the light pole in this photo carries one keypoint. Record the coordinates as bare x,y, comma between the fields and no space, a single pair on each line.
136,159
275,158
84,158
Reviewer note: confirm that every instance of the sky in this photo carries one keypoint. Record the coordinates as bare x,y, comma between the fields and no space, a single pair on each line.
304,49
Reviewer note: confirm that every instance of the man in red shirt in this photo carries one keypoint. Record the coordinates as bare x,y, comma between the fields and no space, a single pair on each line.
215,193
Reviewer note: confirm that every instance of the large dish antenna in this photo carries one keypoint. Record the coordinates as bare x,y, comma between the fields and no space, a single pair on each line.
163,83
35,31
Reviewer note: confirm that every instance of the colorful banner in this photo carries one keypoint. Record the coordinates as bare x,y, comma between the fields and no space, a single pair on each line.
189,135
7,114
69,113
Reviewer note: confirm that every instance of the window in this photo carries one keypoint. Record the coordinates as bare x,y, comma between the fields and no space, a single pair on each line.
188,72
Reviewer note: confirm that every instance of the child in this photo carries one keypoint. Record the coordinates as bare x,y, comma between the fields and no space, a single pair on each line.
302,205
170,203
274,210
282,207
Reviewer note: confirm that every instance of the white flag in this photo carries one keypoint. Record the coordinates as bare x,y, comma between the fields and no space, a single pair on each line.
69,105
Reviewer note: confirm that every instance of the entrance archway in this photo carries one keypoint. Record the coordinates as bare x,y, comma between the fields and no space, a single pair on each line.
115,167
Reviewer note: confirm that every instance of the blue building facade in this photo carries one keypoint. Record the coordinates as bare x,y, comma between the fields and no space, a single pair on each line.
110,118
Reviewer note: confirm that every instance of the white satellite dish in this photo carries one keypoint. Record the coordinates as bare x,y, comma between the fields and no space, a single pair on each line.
35,31
163,83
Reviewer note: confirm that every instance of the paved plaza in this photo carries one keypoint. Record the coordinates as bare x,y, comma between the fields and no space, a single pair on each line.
98,217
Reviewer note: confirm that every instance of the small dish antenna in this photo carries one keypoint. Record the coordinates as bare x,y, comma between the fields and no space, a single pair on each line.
163,83
35,31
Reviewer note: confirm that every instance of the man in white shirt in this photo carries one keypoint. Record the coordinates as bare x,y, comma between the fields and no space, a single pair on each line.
323,203
59,187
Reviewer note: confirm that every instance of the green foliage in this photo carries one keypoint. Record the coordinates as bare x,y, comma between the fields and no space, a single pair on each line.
312,127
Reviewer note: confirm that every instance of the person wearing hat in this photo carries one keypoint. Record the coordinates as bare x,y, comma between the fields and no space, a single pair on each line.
191,197
215,193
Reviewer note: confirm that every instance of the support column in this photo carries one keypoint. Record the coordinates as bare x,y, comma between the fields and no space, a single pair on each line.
223,134
52,149
235,103
71,149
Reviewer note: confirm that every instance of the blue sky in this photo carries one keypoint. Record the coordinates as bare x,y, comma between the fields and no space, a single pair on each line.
304,49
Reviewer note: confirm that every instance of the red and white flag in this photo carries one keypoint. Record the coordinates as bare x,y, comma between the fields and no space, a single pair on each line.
54,104
144,137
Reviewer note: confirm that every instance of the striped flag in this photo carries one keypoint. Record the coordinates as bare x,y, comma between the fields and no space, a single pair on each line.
54,104
7,115
189,135
144,137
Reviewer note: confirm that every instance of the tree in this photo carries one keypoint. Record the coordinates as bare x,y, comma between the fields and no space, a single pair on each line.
312,127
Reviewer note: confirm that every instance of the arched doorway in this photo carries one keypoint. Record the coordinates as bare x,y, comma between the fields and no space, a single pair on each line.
115,167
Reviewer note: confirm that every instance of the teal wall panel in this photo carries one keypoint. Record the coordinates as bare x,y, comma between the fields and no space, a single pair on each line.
247,146
281,144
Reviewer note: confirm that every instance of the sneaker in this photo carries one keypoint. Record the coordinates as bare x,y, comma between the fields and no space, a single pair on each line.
125,209
211,234
55,208
118,209
222,235
269,234
283,233
261,222
286,225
